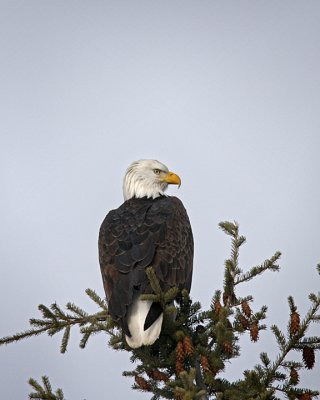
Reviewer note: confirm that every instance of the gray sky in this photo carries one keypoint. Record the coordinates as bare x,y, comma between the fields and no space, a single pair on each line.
226,94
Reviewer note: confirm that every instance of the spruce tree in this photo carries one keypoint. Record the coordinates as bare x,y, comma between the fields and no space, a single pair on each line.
195,345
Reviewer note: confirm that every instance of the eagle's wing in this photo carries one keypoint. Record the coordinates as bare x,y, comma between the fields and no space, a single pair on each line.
140,233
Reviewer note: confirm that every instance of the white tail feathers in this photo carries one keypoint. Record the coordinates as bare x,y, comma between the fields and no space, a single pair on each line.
136,317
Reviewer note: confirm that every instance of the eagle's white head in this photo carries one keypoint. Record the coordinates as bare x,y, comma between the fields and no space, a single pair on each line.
148,178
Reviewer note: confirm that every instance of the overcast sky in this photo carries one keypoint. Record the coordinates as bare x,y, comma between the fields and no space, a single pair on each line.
225,93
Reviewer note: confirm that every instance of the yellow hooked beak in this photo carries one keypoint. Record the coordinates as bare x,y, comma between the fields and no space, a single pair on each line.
172,178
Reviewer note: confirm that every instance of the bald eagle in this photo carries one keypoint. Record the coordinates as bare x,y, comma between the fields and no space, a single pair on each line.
149,228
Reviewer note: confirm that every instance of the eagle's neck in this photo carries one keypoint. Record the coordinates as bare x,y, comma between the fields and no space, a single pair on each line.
137,186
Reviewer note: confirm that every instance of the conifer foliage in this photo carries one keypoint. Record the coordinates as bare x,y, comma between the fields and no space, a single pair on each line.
196,345
45,391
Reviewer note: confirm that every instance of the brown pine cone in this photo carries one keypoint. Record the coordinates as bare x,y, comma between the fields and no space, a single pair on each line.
158,376
180,352
142,383
205,363
179,367
246,309
187,346
217,307
227,347
178,396
254,331
244,322
294,376
294,323
305,396
308,357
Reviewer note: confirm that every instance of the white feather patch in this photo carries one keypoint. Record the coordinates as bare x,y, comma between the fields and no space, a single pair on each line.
136,317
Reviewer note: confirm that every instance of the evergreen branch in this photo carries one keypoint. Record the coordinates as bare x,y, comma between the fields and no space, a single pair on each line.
194,345
46,312
187,389
55,320
199,381
55,325
65,339
97,299
35,385
150,297
84,340
154,282
313,297
58,313
231,265
258,270
312,342
292,364
240,300
44,392
293,342
230,228
171,294
76,310
296,392
265,359
46,384
22,335
293,307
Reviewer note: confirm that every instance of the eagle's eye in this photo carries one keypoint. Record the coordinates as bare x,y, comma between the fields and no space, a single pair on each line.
157,171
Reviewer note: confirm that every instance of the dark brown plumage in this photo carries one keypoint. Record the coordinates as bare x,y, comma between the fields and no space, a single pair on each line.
143,232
